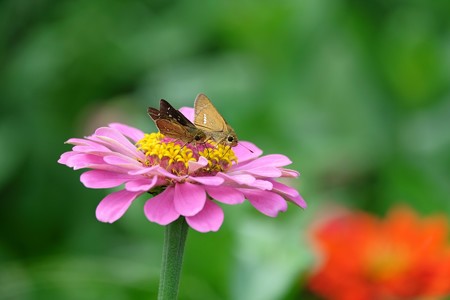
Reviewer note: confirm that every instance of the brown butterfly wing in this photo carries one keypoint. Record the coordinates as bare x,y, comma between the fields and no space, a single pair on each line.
174,124
168,111
206,115
211,121
173,130
154,113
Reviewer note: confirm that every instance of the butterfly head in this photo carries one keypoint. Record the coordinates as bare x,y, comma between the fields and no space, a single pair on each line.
198,136
231,139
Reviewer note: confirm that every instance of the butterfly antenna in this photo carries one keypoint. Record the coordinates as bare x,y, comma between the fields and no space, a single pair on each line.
207,149
209,153
184,145
181,147
247,148
228,147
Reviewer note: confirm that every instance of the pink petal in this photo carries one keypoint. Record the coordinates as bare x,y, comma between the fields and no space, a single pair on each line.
245,151
122,161
195,165
87,146
262,184
208,180
189,198
156,170
98,179
65,156
149,170
299,201
210,218
288,192
160,209
268,203
188,112
76,141
92,150
142,185
265,172
80,161
225,194
133,133
242,179
289,173
272,160
113,206
80,142
163,172
116,141
91,161
284,189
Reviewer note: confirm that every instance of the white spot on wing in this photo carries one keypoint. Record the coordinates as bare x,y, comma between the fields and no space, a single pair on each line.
204,119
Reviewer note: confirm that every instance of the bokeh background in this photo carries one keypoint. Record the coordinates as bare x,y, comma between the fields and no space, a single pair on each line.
356,93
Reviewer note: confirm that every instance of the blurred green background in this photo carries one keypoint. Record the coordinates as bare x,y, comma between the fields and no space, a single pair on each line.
356,93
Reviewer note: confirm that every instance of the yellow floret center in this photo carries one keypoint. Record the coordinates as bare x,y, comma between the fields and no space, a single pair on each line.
174,155
387,261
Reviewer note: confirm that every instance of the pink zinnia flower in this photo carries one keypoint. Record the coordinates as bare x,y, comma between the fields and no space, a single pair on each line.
187,180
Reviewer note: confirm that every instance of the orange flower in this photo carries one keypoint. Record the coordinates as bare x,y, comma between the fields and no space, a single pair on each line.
364,258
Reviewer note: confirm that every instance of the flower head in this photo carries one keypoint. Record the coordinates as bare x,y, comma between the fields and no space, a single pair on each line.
401,257
187,179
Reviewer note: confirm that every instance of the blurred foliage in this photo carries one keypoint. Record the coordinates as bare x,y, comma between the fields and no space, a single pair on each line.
356,93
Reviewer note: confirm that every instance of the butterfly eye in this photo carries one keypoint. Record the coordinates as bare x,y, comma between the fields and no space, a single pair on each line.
230,139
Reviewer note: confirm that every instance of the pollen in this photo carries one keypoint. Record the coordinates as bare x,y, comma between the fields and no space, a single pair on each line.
174,155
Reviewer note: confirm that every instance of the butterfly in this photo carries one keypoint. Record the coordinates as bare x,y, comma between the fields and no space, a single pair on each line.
172,123
211,122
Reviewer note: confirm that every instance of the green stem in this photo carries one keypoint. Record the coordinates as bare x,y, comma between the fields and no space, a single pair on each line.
174,241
